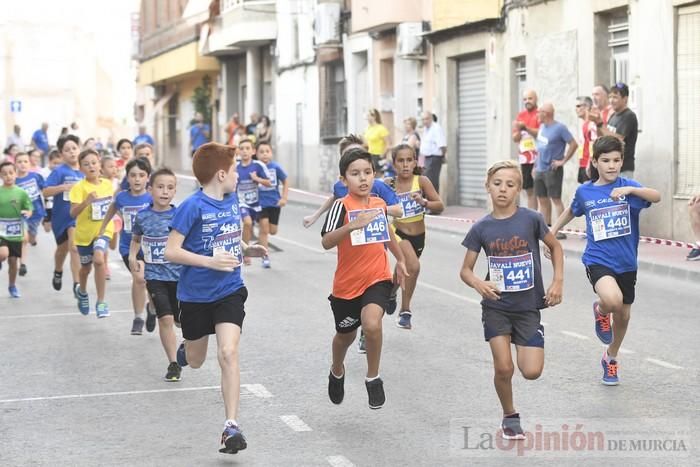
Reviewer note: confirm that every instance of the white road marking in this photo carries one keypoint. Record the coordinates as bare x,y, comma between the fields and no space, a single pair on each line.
300,245
51,315
449,293
627,351
258,390
663,363
339,461
575,334
295,423
108,394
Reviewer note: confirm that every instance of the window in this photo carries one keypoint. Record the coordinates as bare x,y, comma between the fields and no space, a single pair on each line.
618,42
334,107
519,83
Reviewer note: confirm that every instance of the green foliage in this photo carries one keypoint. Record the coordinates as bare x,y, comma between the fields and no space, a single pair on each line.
201,100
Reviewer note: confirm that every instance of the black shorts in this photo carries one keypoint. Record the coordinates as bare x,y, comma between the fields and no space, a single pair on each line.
125,258
14,247
348,313
548,184
47,217
163,297
523,327
416,241
528,181
200,319
582,175
626,280
271,213
62,238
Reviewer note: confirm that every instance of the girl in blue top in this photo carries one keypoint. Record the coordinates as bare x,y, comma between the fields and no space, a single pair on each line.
612,205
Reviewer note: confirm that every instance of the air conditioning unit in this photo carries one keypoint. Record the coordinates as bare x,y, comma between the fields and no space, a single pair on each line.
411,43
327,24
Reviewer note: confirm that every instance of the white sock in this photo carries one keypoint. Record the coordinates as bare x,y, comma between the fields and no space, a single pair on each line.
367,380
697,243
230,422
336,376
609,357
138,315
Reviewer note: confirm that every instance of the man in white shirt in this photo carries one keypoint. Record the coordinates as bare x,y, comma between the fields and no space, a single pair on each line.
433,148
15,138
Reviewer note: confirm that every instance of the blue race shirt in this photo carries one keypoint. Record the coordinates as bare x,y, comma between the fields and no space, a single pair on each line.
248,190
379,188
270,196
612,227
153,227
144,139
208,224
41,140
60,215
551,143
128,206
33,183
197,135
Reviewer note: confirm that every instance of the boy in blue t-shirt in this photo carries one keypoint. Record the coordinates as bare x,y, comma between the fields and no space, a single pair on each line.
612,205
513,292
128,203
251,173
32,183
149,233
271,202
58,186
205,238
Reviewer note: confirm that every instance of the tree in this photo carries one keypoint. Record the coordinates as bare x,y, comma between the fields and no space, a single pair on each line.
201,100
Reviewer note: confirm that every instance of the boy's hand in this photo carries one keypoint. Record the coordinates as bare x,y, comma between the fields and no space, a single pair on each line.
134,265
401,273
92,196
619,192
223,261
554,293
361,221
309,220
282,203
255,251
66,187
488,290
26,213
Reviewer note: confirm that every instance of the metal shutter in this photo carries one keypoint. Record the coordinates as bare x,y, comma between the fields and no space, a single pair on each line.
471,131
688,78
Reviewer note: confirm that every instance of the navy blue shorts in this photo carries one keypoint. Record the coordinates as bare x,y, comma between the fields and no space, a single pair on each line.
523,327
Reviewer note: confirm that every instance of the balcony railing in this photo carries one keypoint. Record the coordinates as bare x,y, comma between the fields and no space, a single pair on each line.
227,5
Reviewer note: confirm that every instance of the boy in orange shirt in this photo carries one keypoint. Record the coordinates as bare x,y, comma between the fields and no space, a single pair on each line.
358,226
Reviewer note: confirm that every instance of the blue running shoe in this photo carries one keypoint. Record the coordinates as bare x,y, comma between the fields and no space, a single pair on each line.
76,289
83,302
609,371
180,356
266,262
232,440
603,328
404,321
14,293
510,427
102,310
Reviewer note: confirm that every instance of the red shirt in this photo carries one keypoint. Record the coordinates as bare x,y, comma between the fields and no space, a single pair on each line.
589,133
527,151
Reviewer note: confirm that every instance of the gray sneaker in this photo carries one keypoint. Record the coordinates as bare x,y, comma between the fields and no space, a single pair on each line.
511,427
137,327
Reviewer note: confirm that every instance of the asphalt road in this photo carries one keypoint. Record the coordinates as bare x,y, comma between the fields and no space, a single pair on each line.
77,391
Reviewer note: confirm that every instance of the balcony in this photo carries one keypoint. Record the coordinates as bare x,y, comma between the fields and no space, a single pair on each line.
375,16
243,23
170,37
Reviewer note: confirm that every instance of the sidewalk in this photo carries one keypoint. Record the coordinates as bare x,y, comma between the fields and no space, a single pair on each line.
659,259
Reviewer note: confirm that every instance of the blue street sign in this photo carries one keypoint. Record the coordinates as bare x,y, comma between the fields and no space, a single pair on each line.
15,106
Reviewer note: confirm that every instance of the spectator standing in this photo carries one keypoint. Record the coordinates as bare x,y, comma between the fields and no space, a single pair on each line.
601,106
254,119
143,137
40,138
231,128
587,134
525,128
200,132
263,131
411,136
15,138
433,147
377,137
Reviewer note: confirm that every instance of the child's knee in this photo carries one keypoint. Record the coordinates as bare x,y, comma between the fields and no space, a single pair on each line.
531,372
503,370
228,354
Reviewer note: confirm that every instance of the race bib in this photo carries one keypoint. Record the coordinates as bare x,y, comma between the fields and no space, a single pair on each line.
512,273
66,194
48,202
153,249
527,144
376,231
248,191
410,206
129,215
99,208
610,222
229,241
32,189
11,228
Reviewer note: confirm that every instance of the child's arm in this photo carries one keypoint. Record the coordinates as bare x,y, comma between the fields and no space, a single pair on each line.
486,289
555,290
134,248
401,271
176,254
309,220
395,210
108,217
432,199
53,190
285,193
77,208
332,238
260,180
647,194
565,217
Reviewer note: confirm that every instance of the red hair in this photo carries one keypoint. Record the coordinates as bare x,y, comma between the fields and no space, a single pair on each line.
210,158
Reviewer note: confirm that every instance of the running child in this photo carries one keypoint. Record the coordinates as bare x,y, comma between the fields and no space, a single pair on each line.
90,199
15,207
358,226
59,185
271,202
149,234
33,184
110,172
127,204
205,238
513,292
612,205
125,151
35,161
54,161
251,173
416,194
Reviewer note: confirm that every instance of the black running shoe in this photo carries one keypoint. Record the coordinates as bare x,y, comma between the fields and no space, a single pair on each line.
174,372
57,280
232,440
375,391
22,269
336,388
150,317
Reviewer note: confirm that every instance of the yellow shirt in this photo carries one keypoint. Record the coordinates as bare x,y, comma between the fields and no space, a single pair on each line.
88,222
374,135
